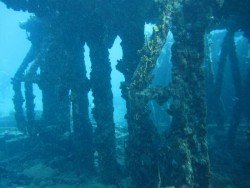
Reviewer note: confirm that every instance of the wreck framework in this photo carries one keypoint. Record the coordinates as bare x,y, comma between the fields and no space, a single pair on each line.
179,157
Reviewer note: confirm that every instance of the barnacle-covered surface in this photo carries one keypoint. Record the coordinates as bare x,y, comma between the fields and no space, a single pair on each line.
71,150
187,137
142,146
103,109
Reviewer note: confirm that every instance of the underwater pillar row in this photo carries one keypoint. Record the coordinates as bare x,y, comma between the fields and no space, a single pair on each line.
187,137
18,98
28,76
65,90
100,81
62,71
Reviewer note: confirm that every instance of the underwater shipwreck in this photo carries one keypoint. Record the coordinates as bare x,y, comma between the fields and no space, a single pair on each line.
192,131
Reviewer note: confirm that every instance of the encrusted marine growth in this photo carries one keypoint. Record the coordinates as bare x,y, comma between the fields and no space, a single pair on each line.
187,137
177,158
103,109
82,128
209,78
18,100
26,123
142,149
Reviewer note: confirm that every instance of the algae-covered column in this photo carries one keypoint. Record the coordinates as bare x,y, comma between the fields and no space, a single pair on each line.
237,109
31,78
138,64
18,101
138,152
54,86
229,52
187,137
218,107
83,131
18,98
30,107
209,79
103,109
132,36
